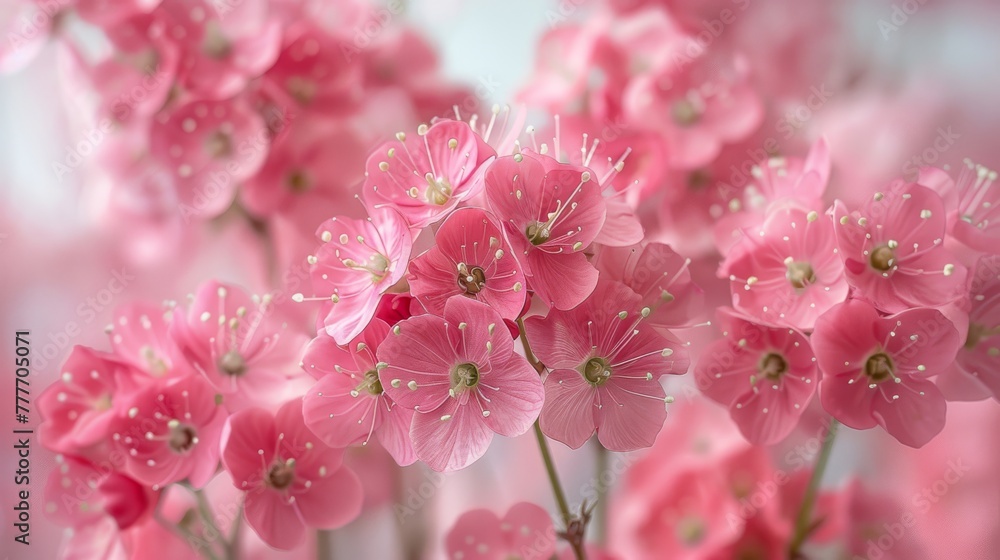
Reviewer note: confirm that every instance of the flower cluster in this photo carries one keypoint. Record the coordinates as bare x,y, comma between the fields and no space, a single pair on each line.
868,306
415,345
256,108
180,390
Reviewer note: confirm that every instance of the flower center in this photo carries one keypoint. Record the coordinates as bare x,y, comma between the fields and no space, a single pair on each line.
103,402
301,89
597,371
438,190
472,280
773,366
297,181
182,437
883,258
215,44
218,145
879,367
232,363
157,366
372,383
690,530
685,113
800,274
537,233
464,376
281,475
977,333
377,265
698,179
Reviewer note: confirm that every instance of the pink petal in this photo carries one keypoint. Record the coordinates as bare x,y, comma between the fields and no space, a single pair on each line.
336,417
916,416
561,280
332,501
453,443
246,432
570,410
394,434
627,421
850,403
273,519
515,407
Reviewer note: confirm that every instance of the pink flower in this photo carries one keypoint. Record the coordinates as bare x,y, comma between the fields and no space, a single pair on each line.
393,308
876,368
100,507
305,173
359,261
526,531
765,376
776,183
145,61
427,175
972,201
660,277
224,49
140,335
788,272
892,253
348,404
170,432
292,481
550,213
111,13
80,407
975,374
78,493
237,342
871,518
471,258
697,103
625,162
461,375
605,364
210,146
312,71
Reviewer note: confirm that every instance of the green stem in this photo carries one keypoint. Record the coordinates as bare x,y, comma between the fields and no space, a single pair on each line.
324,544
234,540
803,525
208,517
528,354
543,446
601,517
182,532
550,468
